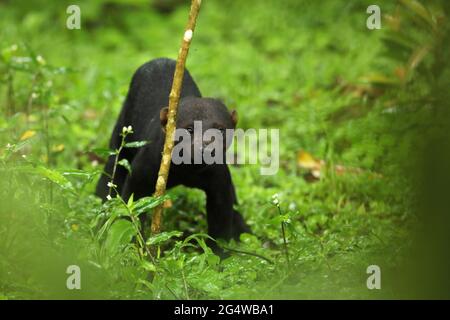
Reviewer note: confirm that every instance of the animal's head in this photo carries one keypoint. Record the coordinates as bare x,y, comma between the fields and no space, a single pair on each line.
204,125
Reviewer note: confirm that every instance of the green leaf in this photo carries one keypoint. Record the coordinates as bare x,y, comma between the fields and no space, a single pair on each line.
18,146
148,266
103,152
213,260
8,53
146,283
116,210
130,201
120,233
79,174
124,163
419,9
146,204
200,238
275,221
136,144
163,237
55,177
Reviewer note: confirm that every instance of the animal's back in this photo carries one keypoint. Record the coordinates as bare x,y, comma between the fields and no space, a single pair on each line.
148,94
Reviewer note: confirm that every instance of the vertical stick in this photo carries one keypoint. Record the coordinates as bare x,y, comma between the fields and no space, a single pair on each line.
10,103
283,232
174,98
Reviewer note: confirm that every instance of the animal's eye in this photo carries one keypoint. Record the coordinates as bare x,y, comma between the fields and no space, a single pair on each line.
190,130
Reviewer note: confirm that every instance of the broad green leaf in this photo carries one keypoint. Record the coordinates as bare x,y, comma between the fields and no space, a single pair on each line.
55,177
124,163
103,152
120,233
163,237
116,210
148,266
130,201
213,260
200,238
145,204
7,53
277,220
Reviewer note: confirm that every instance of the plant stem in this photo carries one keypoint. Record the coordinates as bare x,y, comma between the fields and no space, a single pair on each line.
30,99
10,105
174,99
173,293
116,160
283,232
141,240
185,285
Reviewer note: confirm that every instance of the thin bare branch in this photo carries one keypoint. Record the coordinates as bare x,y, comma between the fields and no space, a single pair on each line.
174,99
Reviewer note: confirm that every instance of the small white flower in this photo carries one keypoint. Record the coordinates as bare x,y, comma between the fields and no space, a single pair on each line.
24,156
40,60
34,95
275,199
292,206
108,197
8,146
111,185
126,129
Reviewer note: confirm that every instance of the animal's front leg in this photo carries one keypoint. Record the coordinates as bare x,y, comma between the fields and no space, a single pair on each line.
219,203
219,215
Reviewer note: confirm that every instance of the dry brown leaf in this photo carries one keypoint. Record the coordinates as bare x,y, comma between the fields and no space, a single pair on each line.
90,114
307,161
313,167
400,72
393,21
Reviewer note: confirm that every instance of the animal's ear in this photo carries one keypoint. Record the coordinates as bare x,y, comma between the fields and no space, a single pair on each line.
163,116
234,117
